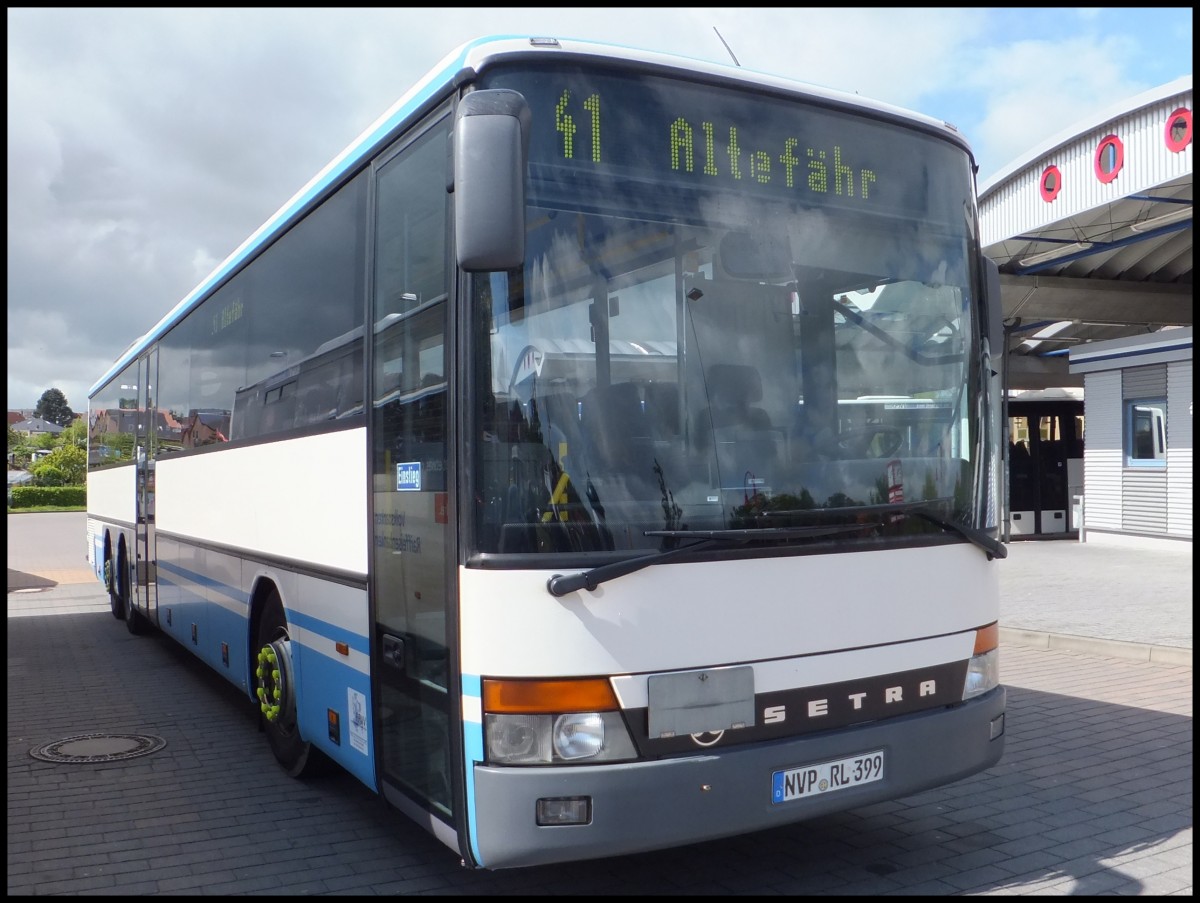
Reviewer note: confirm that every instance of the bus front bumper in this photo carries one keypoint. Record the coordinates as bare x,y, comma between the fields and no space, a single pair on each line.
722,792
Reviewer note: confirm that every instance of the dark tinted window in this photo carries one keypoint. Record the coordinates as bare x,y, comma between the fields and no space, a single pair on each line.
280,345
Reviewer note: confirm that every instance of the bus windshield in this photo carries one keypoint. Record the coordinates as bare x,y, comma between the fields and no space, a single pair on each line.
755,315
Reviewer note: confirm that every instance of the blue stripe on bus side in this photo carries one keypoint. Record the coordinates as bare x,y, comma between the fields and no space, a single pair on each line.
472,732
230,592
328,686
355,641
327,682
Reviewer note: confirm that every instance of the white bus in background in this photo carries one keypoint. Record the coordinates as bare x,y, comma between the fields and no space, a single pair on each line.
601,454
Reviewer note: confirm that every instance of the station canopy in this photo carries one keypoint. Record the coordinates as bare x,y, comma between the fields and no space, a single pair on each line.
1092,233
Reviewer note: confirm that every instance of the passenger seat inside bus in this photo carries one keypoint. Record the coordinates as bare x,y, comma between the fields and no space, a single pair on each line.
747,442
733,390
617,440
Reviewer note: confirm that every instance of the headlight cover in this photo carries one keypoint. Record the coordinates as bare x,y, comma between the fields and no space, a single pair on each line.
983,674
522,739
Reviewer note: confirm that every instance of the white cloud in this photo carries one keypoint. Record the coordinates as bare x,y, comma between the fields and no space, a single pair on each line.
146,145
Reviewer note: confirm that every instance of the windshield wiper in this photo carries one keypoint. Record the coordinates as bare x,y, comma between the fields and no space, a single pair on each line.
993,547
923,510
561,584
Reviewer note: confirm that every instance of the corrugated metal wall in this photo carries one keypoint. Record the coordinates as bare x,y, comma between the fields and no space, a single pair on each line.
1144,382
1144,490
1016,206
1102,454
1144,500
1179,448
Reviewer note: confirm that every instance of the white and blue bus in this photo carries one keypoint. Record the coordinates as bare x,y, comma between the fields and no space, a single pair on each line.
601,454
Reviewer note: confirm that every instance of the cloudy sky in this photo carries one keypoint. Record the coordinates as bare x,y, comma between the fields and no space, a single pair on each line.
145,145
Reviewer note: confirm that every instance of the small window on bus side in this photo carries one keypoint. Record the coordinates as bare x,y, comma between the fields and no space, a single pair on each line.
1146,432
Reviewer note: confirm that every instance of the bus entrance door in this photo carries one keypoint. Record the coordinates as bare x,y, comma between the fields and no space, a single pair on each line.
144,443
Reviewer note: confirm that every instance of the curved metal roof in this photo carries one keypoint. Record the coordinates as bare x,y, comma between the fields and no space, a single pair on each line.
1092,232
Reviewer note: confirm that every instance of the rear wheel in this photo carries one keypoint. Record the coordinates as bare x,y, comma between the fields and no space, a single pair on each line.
110,583
275,688
134,622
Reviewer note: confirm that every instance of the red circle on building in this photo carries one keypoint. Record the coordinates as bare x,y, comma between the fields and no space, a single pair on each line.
1178,133
1051,183
1110,157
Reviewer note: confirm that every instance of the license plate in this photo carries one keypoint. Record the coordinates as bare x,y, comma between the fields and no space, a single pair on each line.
826,777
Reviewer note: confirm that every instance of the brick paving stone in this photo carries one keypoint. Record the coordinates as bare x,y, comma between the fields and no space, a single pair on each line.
1093,795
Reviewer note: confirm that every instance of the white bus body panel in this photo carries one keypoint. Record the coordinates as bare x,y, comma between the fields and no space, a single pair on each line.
702,615
301,499
110,494
110,501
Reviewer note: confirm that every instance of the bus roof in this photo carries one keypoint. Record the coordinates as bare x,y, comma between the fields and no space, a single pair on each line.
462,65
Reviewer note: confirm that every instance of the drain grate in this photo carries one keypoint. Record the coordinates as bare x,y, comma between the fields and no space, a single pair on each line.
89,748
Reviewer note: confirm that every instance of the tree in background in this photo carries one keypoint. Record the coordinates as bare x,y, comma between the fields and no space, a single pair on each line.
20,448
52,406
75,433
65,466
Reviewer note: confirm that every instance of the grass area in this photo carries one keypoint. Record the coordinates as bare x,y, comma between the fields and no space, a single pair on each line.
41,508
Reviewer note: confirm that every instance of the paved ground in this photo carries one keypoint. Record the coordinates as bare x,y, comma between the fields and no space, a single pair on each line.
1093,796
1113,595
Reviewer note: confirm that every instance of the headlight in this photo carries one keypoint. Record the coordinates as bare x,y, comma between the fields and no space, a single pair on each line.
983,674
983,670
518,739
578,735
570,727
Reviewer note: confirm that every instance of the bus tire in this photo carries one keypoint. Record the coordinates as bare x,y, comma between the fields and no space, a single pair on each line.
134,622
110,584
275,689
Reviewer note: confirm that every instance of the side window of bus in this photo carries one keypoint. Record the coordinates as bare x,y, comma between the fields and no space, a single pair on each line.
112,419
301,301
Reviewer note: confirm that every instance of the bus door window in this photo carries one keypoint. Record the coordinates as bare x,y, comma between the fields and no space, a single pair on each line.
410,417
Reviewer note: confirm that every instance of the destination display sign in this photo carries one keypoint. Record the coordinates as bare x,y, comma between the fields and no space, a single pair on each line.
646,127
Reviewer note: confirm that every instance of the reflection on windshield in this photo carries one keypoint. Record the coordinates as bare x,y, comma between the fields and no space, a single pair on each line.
633,385
750,312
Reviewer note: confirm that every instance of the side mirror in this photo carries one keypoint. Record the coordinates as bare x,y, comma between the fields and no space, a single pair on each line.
491,146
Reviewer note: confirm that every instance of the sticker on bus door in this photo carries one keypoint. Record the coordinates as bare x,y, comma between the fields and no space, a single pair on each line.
408,476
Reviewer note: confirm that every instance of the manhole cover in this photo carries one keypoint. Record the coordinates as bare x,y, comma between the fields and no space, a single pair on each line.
98,748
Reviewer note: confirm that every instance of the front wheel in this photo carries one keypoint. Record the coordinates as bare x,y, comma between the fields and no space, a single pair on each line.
275,688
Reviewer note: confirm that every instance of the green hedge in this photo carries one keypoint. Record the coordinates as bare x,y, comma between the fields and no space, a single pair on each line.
37,496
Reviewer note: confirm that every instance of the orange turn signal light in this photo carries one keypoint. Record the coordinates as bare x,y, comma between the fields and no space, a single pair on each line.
987,638
538,696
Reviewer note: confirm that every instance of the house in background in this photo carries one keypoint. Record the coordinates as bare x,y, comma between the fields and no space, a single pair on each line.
36,426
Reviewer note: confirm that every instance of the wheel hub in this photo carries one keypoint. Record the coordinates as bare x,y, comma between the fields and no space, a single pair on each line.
273,680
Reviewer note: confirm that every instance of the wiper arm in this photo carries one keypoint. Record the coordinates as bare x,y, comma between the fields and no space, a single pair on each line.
993,547
923,510
561,584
